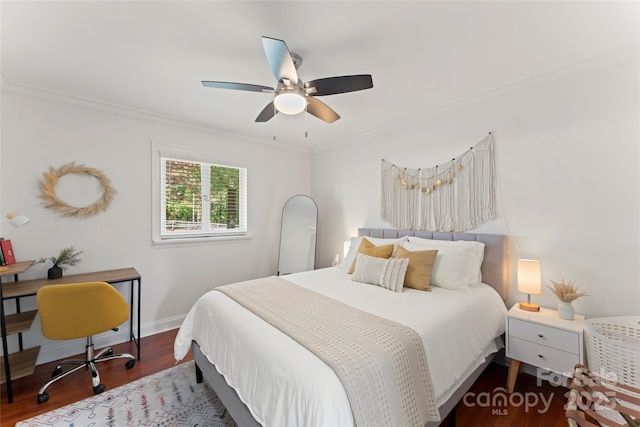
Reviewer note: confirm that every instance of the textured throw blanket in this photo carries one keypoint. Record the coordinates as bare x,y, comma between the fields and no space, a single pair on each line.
381,364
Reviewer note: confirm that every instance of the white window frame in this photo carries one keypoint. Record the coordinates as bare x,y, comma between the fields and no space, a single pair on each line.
161,150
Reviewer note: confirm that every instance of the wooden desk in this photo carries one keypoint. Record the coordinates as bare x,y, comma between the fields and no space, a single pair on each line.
19,289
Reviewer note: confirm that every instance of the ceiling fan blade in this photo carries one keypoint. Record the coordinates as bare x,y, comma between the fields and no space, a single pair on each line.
238,86
267,113
342,84
280,59
321,110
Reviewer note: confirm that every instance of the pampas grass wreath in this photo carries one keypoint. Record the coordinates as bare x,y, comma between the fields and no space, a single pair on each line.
170,398
49,182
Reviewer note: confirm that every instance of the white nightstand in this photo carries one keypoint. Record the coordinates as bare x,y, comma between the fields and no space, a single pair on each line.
543,340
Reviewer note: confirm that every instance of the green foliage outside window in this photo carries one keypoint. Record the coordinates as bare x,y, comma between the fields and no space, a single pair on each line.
183,201
184,195
225,183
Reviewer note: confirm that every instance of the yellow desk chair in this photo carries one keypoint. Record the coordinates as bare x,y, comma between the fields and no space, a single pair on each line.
81,310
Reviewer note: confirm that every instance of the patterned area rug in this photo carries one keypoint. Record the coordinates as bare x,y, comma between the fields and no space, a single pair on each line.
168,398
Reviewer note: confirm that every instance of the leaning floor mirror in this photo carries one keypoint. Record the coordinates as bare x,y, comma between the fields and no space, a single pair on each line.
298,235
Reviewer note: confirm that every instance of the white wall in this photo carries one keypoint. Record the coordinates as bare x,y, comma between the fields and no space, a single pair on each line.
567,157
567,154
43,131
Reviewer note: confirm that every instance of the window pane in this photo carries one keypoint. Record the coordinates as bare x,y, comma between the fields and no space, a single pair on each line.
183,191
224,198
198,194
202,199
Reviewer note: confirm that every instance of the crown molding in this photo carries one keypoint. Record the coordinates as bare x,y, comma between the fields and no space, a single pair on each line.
10,87
616,58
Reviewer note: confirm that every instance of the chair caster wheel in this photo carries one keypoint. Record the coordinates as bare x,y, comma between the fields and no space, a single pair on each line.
98,389
43,397
130,363
56,372
109,352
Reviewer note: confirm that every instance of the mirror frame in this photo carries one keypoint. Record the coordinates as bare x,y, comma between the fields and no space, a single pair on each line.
282,229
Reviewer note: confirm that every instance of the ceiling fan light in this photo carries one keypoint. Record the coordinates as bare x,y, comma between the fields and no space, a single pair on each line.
290,102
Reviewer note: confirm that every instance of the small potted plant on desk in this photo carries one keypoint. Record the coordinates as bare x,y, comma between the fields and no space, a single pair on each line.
66,258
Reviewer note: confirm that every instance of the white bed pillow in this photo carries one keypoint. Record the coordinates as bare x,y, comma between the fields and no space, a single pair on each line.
475,275
451,267
385,272
355,244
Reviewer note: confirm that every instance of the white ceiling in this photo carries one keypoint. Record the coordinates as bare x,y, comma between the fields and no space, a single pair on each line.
151,56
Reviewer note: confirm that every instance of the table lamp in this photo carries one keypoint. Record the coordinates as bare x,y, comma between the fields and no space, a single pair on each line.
16,220
529,282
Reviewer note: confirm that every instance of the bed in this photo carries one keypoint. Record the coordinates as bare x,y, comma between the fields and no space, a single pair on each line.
264,377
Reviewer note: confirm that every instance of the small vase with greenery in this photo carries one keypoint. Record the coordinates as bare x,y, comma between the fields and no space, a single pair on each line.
66,258
566,293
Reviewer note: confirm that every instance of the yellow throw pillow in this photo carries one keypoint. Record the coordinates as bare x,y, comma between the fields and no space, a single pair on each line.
418,274
368,248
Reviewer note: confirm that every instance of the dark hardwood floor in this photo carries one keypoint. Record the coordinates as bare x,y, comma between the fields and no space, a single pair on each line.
156,355
482,407
532,404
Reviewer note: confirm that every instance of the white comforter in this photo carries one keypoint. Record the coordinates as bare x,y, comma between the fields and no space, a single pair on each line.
283,384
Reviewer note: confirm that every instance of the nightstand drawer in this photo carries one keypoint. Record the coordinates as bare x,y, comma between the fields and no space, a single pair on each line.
542,356
560,339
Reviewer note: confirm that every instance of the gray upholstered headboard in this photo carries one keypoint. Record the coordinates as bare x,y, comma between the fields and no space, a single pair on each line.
494,267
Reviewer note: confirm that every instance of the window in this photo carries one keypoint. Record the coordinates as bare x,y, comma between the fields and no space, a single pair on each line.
201,194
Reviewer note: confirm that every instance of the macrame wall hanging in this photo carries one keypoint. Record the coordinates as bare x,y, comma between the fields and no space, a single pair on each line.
455,196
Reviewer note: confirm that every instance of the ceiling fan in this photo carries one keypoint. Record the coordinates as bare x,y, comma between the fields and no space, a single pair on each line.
292,96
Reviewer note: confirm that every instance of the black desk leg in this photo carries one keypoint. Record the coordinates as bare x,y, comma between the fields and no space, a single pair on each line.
5,349
139,304
132,336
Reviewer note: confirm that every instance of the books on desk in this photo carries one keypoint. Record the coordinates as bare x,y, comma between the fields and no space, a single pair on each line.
7,256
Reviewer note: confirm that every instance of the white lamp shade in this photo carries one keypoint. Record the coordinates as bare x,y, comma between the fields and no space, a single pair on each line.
529,281
346,245
17,220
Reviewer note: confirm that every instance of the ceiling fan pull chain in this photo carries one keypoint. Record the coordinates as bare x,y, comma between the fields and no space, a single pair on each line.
306,118
275,122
